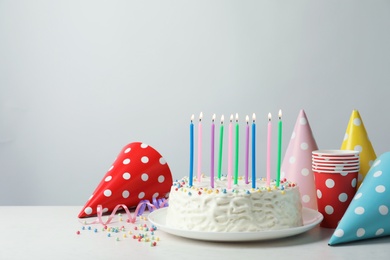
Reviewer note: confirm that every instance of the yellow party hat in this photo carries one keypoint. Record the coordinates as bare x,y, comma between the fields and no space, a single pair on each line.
356,138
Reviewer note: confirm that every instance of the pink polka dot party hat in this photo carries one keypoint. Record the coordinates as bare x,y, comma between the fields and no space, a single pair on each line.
368,214
138,173
356,138
297,165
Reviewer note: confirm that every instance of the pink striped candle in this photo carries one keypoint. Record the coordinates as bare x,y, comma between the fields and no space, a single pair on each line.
269,150
230,153
212,152
200,147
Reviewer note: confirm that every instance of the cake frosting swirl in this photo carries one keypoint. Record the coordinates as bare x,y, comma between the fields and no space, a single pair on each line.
239,209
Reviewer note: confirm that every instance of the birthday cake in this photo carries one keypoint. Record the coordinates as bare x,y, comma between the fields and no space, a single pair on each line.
239,209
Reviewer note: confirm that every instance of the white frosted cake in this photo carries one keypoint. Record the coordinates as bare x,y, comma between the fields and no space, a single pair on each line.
240,209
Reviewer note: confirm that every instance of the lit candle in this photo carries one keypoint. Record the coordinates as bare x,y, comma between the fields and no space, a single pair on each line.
237,151
247,150
253,151
269,150
279,148
220,148
230,148
191,151
200,147
212,152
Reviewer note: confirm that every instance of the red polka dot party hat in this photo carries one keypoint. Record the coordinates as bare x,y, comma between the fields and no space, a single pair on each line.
297,165
138,173
368,213
356,138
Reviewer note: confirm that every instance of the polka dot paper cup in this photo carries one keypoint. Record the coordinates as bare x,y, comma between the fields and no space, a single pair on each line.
335,153
339,167
330,158
335,191
335,169
327,163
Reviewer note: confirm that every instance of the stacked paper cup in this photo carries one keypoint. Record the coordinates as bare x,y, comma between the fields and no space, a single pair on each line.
335,173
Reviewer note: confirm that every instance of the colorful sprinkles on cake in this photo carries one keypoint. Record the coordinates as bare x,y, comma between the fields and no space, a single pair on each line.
183,185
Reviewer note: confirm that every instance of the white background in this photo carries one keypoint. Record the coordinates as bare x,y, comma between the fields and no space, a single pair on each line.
81,79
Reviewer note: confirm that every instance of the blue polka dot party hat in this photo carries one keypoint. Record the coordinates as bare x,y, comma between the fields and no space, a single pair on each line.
368,213
356,138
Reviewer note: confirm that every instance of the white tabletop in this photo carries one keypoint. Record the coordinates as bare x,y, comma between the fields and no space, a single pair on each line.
44,232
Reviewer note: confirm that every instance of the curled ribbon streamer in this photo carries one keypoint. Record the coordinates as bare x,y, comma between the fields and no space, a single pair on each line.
156,204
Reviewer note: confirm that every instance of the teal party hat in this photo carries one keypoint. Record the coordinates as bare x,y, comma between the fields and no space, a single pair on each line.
368,213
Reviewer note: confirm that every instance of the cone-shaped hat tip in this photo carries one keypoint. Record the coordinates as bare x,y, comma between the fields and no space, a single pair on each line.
302,114
355,114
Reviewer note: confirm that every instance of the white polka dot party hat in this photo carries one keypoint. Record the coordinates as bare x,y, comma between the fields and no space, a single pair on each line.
368,213
297,162
138,173
356,138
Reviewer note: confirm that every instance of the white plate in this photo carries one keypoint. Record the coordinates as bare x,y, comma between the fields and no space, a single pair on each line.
310,219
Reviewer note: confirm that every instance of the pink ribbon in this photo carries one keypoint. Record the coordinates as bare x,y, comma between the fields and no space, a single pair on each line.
139,210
